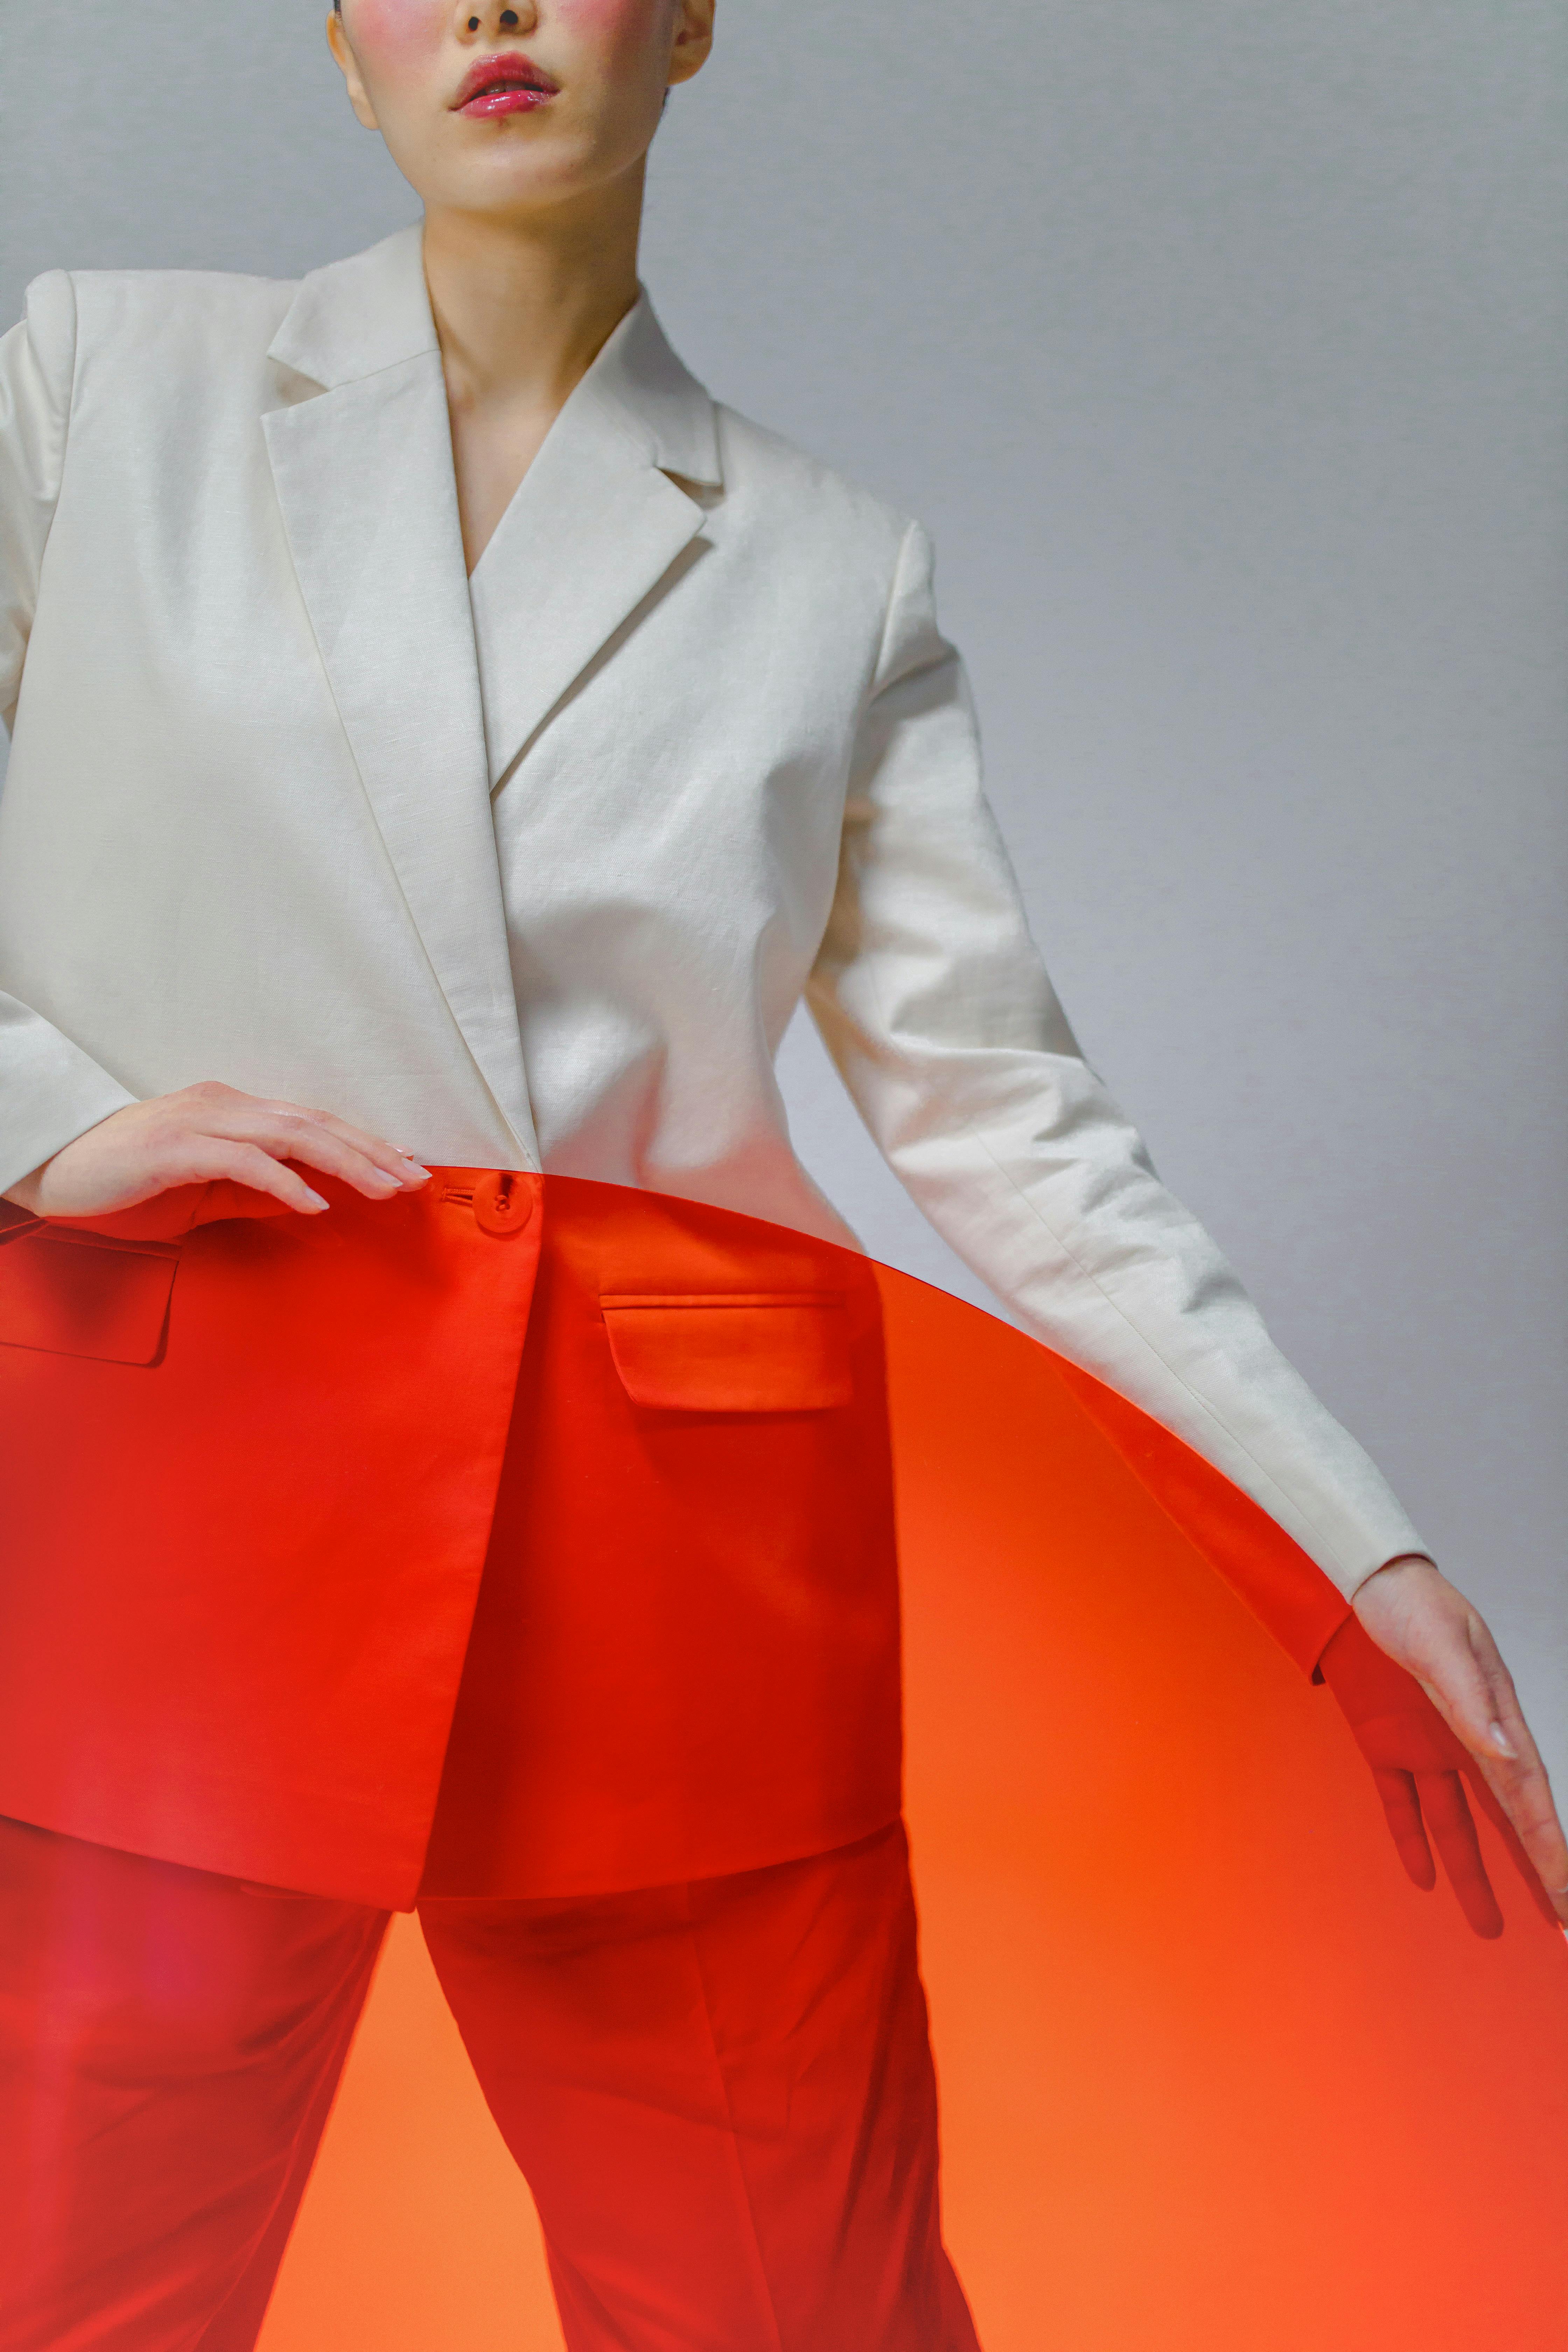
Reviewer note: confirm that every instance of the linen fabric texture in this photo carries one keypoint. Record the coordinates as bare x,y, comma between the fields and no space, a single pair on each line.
532,872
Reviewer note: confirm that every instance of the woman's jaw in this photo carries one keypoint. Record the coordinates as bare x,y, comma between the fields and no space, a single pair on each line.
517,111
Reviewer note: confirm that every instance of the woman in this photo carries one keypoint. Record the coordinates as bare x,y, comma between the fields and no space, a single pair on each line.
438,728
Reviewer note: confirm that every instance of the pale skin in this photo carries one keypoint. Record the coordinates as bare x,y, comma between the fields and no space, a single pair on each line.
531,227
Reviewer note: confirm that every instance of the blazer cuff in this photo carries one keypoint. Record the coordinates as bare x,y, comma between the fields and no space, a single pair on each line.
50,1092
1413,1551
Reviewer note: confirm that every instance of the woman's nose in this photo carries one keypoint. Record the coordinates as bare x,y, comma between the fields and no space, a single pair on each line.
491,19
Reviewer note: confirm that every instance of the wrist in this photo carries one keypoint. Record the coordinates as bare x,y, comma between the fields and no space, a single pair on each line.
1404,1559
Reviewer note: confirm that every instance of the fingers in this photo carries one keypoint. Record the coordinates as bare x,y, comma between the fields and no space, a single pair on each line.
1523,1795
1503,1730
168,1141
1452,1677
1517,1779
1485,1800
1411,1760
405,1172
317,1139
1397,1790
1453,1832
211,1159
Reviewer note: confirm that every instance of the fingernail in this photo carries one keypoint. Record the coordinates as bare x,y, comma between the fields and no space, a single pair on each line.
315,1200
418,1175
1502,1743
385,1179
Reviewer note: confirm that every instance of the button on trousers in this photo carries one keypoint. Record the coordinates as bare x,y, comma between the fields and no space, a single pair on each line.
721,2093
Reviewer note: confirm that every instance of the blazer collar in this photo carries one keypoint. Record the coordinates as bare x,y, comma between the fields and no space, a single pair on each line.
356,317
599,528
637,373
602,526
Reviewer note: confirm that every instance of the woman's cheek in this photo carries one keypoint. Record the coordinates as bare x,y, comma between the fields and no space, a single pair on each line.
395,32
613,25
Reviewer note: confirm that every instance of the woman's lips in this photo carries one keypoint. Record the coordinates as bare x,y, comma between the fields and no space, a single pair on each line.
512,97
506,85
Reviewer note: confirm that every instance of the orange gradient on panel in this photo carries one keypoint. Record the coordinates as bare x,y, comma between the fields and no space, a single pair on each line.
1215,2076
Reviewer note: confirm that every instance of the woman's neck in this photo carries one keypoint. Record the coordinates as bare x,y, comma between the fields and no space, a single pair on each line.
525,306
521,310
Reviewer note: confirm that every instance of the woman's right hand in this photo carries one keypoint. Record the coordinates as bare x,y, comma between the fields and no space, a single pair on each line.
201,1135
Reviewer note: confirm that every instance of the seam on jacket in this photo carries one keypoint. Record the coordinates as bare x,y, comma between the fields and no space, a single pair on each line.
425,351
942,657
972,1135
70,278
630,428
885,640
1266,1475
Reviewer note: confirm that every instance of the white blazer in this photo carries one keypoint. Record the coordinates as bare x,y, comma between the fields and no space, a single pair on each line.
533,871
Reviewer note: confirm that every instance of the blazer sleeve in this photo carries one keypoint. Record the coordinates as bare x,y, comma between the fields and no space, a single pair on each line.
938,1013
50,1091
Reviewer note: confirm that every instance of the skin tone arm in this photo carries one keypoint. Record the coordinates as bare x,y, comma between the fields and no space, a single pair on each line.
525,130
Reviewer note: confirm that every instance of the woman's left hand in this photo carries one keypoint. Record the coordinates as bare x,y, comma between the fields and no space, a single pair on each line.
1426,1625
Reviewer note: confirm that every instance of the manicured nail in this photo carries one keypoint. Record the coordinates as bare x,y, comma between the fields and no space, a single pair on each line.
386,1181
416,1174
1502,1743
316,1201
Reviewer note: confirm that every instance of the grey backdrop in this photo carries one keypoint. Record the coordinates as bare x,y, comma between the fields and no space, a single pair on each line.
1224,350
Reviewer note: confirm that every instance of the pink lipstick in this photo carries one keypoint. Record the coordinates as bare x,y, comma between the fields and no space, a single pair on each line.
508,84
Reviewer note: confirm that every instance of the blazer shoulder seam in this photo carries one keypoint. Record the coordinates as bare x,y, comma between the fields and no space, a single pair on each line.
894,587
68,414
730,419
235,298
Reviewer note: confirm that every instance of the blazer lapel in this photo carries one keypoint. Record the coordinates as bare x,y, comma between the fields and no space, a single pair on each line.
596,529
364,476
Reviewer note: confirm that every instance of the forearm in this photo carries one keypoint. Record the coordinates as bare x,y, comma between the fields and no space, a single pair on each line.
1028,1167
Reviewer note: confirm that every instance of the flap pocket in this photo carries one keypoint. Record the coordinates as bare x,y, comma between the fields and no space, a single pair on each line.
78,1294
784,1352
